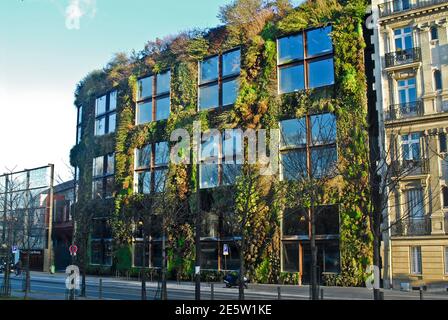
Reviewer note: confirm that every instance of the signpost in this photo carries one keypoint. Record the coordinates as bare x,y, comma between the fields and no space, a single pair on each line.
73,250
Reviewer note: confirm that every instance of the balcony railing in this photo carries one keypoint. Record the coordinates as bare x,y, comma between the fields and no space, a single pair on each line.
404,110
412,227
403,57
397,6
404,168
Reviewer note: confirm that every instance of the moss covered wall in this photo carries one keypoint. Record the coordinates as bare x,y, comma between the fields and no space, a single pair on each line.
258,106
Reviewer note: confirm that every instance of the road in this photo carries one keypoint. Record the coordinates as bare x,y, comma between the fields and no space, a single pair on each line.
52,287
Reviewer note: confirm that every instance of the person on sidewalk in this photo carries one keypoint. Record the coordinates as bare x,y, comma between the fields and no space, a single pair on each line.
18,268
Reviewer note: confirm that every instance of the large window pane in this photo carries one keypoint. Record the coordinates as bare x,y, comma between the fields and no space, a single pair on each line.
144,182
110,164
290,48
291,79
319,41
145,87
97,189
209,69
321,73
327,220
295,222
323,161
163,109
230,172
110,185
323,129
230,92
208,97
144,157
160,180
293,132
144,112
291,257
163,82
112,122
101,105
294,165
113,100
162,156
100,126
231,63
209,148
98,167
209,255
209,175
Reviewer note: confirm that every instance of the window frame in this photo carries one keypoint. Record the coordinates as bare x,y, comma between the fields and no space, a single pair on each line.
154,97
305,61
309,145
219,81
103,240
413,268
152,169
437,80
107,114
104,177
410,142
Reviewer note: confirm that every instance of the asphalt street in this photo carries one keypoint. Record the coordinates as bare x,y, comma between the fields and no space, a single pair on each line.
52,287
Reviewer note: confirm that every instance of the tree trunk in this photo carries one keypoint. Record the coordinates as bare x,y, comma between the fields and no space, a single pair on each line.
377,261
164,267
242,270
27,274
84,267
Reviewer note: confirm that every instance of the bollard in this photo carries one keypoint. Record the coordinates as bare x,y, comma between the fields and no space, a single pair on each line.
100,290
212,291
421,294
279,293
322,294
381,295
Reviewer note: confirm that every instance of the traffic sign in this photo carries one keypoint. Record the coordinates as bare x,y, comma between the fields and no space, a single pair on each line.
73,250
14,249
225,250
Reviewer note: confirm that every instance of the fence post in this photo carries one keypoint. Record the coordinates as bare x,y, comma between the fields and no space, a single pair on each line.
381,295
100,290
279,293
212,291
321,293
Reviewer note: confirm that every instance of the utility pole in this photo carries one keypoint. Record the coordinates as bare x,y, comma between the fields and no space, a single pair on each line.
198,237
5,204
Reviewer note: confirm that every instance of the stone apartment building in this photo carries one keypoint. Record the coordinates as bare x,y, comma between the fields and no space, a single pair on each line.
411,48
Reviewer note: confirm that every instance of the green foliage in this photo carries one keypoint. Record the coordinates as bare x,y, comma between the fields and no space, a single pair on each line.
123,257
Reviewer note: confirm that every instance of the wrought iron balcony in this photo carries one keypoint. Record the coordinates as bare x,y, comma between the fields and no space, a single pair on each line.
404,168
403,57
405,110
412,227
397,6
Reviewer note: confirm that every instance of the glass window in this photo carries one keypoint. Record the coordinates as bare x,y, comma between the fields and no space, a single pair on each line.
321,73
442,142
416,260
97,190
162,155
407,91
163,108
327,220
290,48
230,173
403,38
101,105
209,148
209,175
144,182
144,112
110,164
414,203
295,223
98,166
291,79
323,161
410,146
230,92
323,129
434,33
145,87
160,180
294,165
231,63
78,135
232,144
163,82
319,41
293,132
79,115
291,257
209,255
437,80
113,100
109,187
100,126
208,97
209,69
445,196
144,157
112,122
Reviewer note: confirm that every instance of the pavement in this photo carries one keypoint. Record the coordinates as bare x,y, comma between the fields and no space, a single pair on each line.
46,286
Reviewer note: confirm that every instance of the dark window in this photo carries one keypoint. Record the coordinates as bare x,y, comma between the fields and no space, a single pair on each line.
105,114
151,167
209,255
103,176
434,33
305,64
295,223
442,142
153,98
232,260
327,220
219,80
291,257
101,245
437,80
445,196
321,145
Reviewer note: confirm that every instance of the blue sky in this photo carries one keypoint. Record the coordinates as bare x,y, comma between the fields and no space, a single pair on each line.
48,46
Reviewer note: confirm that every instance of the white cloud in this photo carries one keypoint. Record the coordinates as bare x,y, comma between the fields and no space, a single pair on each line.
76,10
